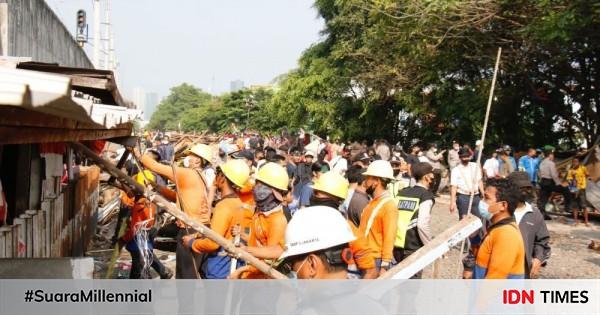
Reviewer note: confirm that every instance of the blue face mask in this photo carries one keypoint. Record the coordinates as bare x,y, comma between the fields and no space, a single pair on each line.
484,210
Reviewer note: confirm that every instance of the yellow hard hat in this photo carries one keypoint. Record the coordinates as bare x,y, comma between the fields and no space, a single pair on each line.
333,184
380,168
201,150
237,171
141,178
273,175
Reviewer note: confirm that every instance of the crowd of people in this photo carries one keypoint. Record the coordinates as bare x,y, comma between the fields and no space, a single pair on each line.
321,209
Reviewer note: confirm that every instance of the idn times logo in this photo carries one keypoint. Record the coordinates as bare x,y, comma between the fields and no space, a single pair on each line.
513,296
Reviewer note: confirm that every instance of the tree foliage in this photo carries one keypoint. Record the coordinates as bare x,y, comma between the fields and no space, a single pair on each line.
415,69
422,69
172,110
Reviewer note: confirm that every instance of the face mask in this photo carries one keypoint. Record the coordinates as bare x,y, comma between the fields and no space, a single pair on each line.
294,274
264,198
370,190
484,210
526,196
328,202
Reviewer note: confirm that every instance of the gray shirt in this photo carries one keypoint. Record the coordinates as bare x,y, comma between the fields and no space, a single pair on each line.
453,158
434,159
548,171
357,204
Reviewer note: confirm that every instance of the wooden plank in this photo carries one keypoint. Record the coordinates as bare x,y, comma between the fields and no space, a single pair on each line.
47,211
89,82
4,29
21,117
21,135
35,222
173,210
28,235
19,234
434,249
5,239
8,241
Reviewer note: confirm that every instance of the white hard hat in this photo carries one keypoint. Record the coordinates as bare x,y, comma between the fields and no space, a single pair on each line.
380,168
315,228
478,142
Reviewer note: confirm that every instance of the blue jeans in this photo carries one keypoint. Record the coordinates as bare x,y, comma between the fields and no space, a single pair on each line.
462,203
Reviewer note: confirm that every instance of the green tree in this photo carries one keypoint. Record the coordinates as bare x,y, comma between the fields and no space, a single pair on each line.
172,109
412,69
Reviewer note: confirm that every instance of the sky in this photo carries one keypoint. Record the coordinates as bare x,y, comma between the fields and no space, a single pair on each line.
161,44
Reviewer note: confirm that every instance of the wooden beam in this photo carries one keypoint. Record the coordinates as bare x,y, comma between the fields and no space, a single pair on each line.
15,135
89,82
434,249
173,210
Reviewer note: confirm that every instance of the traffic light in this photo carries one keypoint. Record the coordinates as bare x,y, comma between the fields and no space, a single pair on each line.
81,32
81,20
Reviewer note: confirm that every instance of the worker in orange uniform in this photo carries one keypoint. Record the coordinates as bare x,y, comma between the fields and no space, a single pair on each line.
191,198
330,190
142,218
267,231
379,220
228,212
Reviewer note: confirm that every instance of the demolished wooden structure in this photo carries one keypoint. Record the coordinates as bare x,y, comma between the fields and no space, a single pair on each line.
173,210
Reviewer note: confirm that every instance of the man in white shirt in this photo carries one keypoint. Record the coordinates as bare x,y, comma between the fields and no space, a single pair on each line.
465,179
491,167
339,164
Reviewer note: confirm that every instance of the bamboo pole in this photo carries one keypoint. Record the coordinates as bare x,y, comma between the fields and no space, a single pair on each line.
173,210
483,133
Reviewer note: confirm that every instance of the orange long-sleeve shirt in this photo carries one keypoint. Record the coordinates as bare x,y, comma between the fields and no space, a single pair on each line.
191,189
382,234
226,214
361,252
267,229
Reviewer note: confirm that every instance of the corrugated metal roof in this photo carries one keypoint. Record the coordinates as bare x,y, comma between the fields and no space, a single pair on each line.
52,94
98,83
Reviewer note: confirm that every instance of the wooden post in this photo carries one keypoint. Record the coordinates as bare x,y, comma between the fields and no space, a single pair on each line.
173,210
47,210
28,234
5,240
37,232
19,236
434,249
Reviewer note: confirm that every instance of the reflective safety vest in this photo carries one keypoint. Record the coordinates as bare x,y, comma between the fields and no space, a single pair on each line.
409,200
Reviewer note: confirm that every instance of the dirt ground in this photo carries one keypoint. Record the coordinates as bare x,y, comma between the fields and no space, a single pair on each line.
571,259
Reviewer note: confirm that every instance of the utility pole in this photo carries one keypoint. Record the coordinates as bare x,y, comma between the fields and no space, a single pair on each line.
111,42
249,104
96,34
106,38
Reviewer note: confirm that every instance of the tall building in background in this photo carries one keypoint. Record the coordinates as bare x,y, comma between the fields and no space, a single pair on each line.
236,85
151,104
139,98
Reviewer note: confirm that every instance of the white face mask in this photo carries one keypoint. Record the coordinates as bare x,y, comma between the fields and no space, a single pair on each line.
294,273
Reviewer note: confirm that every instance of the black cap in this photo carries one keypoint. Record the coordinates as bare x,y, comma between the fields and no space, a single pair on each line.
462,152
520,179
421,169
244,154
